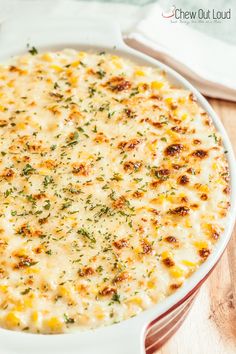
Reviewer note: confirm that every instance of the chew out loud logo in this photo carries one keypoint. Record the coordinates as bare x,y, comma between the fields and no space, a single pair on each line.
200,14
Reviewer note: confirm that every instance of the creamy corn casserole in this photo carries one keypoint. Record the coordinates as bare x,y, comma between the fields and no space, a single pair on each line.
113,186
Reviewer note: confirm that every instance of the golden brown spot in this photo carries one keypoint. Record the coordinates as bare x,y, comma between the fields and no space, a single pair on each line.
158,125
80,169
26,158
176,166
15,69
201,154
129,145
7,173
181,130
38,249
107,291
101,138
184,199
122,243
146,246
36,147
204,196
156,97
226,190
86,271
131,166
175,286
138,194
173,105
2,273
3,123
204,253
50,164
174,149
162,174
129,113
183,180
196,141
43,221
194,206
120,277
180,211
75,115
168,262
3,245
26,230
39,196
25,262
56,95
119,203
118,84
215,235
154,184
171,239
192,97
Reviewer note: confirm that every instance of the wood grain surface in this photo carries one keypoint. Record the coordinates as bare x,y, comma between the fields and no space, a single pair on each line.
210,327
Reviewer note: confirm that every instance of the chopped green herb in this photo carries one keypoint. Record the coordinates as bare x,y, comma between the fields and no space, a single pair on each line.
86,234
28,170
33,51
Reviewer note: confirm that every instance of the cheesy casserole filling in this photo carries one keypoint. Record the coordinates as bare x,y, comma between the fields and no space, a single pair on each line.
113,186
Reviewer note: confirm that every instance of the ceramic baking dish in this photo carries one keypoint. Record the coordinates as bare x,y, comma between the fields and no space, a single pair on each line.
149,330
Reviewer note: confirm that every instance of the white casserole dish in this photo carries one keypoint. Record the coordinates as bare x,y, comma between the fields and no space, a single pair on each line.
126,337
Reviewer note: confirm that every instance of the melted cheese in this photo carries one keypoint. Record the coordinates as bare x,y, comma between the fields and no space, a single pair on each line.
113,187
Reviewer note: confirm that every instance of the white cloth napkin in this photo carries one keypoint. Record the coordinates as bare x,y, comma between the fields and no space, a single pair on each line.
210,64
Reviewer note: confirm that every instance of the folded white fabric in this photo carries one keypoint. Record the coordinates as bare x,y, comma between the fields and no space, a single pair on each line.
210,64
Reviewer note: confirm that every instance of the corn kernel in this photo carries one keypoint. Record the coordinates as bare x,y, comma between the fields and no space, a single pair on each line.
3,288
214,166
184,116
151,284
142,87
116,62
31,270
81,54
166,254
47,57
135,300
54,324
204,188
73,80
188,223
169,100
28,302
21,252
57,68
12,320
157,85
139,73
188,263
201,244
99,314
181,99
176,272
42,171
35,317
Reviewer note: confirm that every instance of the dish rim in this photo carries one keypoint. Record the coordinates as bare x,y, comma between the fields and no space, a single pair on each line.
107,41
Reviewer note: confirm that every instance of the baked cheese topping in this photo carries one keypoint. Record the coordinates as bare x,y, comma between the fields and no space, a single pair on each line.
113,186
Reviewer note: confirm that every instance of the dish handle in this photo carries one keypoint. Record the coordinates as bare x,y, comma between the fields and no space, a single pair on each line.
55,32
126,337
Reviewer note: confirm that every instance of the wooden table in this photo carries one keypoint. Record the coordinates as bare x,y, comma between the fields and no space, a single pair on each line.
210,327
